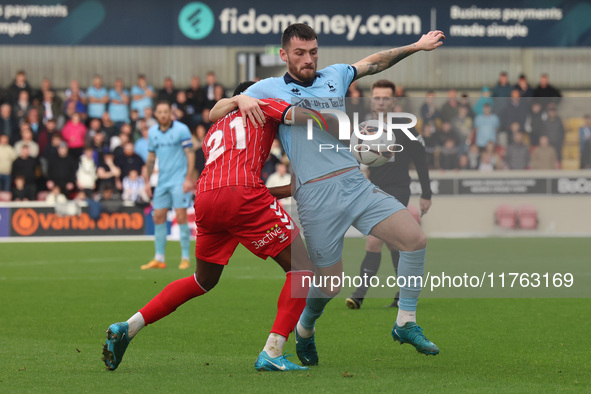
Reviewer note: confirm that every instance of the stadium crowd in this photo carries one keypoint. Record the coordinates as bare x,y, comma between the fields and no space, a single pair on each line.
93,142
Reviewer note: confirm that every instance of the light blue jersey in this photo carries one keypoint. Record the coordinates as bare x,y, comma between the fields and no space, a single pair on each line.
96,110
329,86
169,147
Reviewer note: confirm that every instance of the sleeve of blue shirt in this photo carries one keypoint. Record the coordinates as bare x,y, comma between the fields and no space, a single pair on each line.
185,134
347,73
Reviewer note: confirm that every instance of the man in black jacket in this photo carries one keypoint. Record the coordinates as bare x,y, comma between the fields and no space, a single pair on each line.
394,179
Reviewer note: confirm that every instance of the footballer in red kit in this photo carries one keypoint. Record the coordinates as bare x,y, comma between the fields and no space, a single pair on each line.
233,206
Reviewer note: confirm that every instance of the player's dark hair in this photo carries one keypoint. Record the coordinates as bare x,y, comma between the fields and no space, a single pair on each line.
384,83
242,87
159,102
298,30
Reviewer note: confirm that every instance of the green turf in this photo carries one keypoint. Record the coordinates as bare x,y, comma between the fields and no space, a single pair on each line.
57,299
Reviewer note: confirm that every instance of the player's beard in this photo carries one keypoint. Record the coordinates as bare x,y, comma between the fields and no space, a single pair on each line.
305,74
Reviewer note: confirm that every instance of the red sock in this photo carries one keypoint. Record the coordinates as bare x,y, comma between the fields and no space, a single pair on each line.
291,302
170,298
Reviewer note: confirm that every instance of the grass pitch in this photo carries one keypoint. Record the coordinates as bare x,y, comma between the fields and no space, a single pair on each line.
57,300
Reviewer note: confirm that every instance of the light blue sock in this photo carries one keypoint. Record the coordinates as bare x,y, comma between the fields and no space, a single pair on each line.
160,232
185,240
315,303
411,264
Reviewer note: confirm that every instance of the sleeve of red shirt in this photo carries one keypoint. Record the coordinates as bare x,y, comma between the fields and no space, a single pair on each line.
276,110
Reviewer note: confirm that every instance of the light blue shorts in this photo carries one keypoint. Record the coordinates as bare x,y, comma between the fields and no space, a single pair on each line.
171,197
329,207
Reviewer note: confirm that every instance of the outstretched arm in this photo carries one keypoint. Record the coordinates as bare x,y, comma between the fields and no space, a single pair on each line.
381,61
249,109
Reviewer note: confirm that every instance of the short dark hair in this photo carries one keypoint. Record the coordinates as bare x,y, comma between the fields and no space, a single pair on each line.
160,102
298,30
384,83
242,87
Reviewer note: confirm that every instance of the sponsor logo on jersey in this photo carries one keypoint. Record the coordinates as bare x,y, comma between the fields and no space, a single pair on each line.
273,233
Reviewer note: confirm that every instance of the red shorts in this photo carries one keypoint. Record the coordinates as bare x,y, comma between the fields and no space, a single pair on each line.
239,214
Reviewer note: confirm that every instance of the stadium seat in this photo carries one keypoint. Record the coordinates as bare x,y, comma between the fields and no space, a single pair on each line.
505,216
415,213
5,196
42,195
527,215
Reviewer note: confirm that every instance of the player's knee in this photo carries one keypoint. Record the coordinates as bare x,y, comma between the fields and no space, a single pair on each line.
415,241
420,241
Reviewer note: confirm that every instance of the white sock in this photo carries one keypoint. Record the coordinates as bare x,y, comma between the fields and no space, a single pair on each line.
160,258
136,323
405,316
304,332
274,345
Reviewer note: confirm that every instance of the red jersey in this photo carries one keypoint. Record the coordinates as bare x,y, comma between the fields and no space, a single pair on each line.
234,155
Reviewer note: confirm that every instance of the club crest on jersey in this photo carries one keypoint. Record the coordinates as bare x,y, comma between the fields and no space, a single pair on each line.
331,86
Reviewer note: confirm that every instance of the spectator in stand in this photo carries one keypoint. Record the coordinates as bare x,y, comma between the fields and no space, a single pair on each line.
168,92
523,87
142,95
544,156
34,122
517,155
7,156
355,103
141,144
117,143
515,110
62,170
27,139
209,94
465,103
74,133
75,91
487,124
107,172
75,105
119,104
86,173
197,139
134,188
486,164
449,156
503,87
181,110
473,157
429,112
21,191
515,128
52,109
20,84
94,127
544,89
50,153
495,159
280,178
98,97
99,145
149,117
447,131
585,132
129,161
39,96
463,124
432,142
25,166
449,110
55,196
534,123
554,129
463,162
482,101
108,127
586,155
21,107
8,123
195,98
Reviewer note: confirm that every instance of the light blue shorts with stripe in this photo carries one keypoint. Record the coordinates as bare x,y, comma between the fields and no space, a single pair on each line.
327,209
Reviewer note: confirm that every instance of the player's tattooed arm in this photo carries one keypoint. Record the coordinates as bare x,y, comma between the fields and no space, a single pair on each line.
383,60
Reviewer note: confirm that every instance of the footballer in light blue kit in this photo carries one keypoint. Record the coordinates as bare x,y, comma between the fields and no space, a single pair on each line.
331,192
170,142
